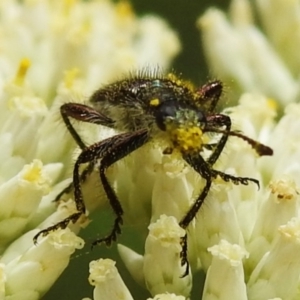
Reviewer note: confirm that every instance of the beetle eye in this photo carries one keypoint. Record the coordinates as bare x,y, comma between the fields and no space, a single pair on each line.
170,111
167,110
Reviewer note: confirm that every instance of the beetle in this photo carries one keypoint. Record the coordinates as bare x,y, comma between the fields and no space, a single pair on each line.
150,106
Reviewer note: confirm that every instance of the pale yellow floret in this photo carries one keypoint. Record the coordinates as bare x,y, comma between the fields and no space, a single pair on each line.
232,253
272,104
167,231
22,71
102,270
27,106
34,174
284,189
33,171
70,76
291,230
124,10
69,4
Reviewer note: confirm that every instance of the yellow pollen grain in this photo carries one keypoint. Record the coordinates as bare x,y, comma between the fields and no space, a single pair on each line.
154,102
22,71
70,76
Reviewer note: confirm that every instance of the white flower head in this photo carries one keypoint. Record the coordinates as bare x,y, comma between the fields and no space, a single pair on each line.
167,297
246,238
226,268
31,270
251,60
162,264
107,281
268,278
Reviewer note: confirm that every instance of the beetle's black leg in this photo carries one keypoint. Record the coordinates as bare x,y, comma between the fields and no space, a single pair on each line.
261,149
83,113
85,157
105,150
123,145
236,180
206,172
218,120
201,167
83,176
209,95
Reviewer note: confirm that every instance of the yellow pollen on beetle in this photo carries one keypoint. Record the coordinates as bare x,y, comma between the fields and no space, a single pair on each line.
188,84
154,102
186,139
22,71
174,78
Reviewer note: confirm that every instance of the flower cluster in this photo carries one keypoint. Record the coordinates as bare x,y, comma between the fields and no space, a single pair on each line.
246,240
249,59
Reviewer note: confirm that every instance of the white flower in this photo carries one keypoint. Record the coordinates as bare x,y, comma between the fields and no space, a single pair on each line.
30,270
107,281
162,265
226,268
167,297
251,60
277,273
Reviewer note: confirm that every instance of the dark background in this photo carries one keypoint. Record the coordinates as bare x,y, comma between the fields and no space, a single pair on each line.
182,16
